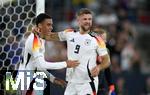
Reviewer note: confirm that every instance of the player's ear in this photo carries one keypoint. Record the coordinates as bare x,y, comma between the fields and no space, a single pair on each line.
40,25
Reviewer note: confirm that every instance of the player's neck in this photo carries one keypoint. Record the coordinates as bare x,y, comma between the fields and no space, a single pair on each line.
40,35
84,32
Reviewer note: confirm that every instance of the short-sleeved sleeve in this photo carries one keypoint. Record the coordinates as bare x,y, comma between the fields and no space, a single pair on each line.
63,35
101,46
38,56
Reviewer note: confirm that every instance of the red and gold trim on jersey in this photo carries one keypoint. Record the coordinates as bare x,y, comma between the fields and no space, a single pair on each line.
100,42
36,43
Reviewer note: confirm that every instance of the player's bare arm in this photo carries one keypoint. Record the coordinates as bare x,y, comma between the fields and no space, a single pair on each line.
52,36
105,62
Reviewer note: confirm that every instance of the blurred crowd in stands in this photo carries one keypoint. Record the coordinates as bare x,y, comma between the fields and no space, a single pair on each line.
125,21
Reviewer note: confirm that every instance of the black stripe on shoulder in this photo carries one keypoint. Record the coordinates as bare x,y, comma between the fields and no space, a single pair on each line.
93,34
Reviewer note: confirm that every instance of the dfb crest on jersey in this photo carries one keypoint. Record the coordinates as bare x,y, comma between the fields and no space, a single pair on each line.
87,42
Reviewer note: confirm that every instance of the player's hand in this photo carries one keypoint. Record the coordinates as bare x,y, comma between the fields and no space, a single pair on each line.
112,90
35,29
72,63
44,35
95,71
60,82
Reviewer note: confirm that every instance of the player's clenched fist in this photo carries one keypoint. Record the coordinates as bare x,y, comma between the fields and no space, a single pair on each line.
72,63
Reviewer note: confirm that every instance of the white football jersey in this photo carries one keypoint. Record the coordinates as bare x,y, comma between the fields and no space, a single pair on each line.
34,55
84,48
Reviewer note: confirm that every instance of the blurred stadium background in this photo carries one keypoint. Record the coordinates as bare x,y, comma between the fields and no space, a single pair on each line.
127,23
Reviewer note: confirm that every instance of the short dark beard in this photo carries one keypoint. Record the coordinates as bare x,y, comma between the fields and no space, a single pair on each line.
85,30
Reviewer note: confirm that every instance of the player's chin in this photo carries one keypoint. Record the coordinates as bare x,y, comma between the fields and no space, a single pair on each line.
87,28
47,33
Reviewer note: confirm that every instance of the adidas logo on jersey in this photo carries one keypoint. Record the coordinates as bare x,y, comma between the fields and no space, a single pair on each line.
72,40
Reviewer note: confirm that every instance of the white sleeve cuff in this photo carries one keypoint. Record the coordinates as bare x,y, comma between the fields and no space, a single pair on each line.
52,78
